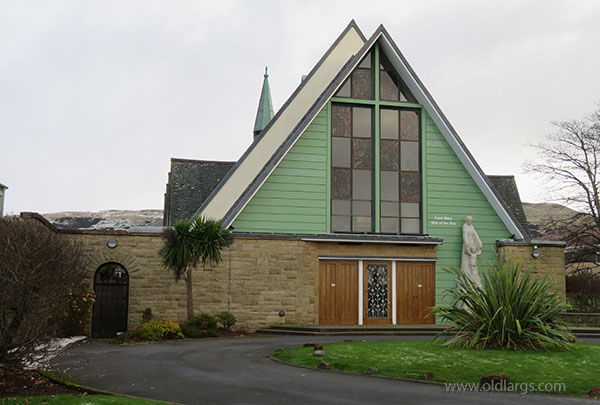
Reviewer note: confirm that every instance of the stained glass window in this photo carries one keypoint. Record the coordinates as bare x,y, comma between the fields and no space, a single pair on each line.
409,125
378,302
409,156
360,82
351,169
341,183
361,123
391,86
361,153
353,152
341,152
410,187
341,120
345,90
389,155
389,124
400,171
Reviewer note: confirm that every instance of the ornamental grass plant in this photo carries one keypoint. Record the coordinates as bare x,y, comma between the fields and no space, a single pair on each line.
511,310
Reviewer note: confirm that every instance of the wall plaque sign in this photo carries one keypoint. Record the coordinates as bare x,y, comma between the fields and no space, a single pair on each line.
443,220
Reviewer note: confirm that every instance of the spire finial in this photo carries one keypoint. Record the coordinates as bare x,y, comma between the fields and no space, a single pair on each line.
265,106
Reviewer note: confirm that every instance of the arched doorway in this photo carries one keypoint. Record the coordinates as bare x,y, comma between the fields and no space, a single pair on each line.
111,284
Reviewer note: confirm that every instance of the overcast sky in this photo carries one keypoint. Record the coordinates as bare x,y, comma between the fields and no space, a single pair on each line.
96,97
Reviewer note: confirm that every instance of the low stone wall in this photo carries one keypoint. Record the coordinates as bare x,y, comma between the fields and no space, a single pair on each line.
582,318
259,277
551,260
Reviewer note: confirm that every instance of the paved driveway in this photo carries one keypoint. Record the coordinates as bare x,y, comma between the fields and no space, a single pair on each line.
235,371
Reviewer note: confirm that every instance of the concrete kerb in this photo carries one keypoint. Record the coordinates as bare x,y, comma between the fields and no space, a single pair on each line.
94,391
385,377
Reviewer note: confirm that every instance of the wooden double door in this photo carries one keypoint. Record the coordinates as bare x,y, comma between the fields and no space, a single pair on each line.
344,298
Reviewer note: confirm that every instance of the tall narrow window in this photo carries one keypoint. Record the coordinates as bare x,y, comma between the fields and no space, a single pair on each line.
400,177
351,169
353,153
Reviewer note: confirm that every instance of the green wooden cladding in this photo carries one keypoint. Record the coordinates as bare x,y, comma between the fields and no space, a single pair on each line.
294,197
452,193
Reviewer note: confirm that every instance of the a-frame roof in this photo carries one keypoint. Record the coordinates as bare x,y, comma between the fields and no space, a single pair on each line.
227,200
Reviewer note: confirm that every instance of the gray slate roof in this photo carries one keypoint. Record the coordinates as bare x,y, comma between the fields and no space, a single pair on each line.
506,187
190,182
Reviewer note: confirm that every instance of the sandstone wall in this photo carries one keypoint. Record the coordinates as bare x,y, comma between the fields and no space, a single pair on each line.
550,261
258,278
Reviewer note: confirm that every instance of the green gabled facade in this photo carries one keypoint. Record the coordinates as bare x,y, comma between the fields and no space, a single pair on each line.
296,196
363,183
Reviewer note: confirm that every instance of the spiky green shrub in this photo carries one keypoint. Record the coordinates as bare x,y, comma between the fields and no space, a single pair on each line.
511,310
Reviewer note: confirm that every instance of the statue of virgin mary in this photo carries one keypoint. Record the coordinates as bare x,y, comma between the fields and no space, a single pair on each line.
471,249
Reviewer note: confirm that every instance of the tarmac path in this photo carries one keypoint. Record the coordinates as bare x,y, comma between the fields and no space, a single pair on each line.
236,371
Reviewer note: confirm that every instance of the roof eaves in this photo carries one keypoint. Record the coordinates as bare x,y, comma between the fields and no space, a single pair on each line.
258,137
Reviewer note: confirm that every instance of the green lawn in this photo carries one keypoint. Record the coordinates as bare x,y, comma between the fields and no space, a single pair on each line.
73,399
577,369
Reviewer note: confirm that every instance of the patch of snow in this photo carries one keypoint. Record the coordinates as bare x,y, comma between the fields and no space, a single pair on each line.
48,351
106,219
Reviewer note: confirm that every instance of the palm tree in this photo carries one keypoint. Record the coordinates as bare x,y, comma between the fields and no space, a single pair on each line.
187,244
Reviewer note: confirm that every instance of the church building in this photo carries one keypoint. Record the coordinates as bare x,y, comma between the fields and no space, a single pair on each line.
346,208
351,199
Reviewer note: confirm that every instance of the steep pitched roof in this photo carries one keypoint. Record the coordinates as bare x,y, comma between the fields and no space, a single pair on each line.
229,211
190,182
506,187
296,113
265,107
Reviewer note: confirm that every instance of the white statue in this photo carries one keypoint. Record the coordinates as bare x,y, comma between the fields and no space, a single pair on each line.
471,249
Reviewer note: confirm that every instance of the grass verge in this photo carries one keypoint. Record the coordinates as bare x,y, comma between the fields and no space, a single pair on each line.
576,369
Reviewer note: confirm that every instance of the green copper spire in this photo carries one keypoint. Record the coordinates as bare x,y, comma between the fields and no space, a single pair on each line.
265,107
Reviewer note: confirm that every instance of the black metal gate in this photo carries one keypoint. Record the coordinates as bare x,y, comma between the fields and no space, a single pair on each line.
111,284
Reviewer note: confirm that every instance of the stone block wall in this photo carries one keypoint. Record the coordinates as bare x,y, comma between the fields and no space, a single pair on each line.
550,261
150,285
257,279
259,276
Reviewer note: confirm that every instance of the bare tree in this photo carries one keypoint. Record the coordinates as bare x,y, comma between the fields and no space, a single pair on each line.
570,165
39,272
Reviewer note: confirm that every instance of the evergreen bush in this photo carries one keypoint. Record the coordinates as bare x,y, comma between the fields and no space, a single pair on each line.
511,310
158,329
227,319
200,326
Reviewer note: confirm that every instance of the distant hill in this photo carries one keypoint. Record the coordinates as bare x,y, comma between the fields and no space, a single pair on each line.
107,219
542,216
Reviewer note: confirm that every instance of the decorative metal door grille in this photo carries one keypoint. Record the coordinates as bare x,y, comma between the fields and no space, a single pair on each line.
377,291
